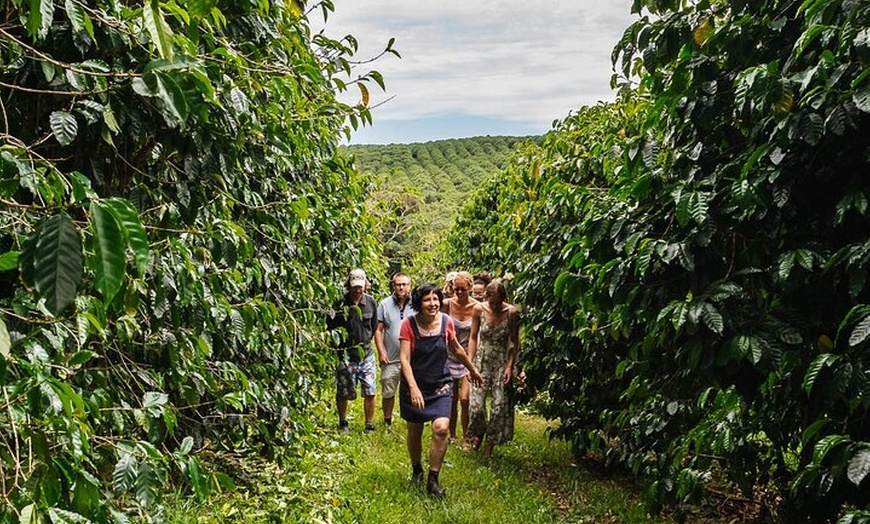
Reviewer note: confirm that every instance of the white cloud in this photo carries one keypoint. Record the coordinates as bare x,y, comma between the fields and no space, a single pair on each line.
528,62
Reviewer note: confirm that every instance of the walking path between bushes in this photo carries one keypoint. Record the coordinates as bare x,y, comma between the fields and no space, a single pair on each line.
531,480
364,478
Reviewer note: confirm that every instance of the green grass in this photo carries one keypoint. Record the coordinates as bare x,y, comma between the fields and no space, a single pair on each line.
365,478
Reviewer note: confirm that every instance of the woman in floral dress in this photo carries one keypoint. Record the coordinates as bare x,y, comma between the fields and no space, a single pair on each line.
493,346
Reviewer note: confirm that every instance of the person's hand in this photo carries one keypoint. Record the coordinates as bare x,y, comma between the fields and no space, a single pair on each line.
417,398
476,377
384,359
506,376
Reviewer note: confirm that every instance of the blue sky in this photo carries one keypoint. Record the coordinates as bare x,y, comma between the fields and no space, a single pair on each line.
480,67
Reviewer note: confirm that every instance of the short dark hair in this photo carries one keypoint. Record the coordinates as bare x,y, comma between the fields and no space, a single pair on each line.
482,278
398,274
424,290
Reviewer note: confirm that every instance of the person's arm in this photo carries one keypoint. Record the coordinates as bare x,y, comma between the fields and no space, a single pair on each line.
475,331
374,321
379,344
445,306
408,373
513,343
459,353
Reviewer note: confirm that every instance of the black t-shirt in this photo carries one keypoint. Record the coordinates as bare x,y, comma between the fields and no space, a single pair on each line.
359,321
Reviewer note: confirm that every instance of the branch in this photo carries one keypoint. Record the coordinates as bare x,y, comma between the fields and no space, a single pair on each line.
71,67
54,93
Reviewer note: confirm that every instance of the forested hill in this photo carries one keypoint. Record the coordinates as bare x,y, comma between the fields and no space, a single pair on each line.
442,169
440,172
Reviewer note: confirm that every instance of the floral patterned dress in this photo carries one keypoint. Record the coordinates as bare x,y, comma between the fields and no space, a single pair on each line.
491,359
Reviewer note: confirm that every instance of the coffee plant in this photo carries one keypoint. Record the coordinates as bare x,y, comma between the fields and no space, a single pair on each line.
692,258
175,214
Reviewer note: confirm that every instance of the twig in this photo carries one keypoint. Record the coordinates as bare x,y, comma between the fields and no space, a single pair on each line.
17,451
65,65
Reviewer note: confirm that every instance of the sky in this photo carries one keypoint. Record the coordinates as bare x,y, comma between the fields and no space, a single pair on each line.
479,67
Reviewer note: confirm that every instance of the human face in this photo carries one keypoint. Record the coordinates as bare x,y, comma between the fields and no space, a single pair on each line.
478,292
461,288
356,293
430,304
402,287
495,301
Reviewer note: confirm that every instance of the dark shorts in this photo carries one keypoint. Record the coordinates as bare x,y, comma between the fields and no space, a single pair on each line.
436,404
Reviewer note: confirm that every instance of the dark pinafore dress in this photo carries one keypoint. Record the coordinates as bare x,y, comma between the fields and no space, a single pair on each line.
429,365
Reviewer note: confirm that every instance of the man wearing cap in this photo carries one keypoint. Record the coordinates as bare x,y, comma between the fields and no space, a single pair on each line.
357,314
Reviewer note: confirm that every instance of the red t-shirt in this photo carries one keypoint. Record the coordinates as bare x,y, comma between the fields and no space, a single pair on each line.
406,332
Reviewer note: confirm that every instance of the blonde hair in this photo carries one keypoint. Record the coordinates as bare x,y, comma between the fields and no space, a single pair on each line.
464,275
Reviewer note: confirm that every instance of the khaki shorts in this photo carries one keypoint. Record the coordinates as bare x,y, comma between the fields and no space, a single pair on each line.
390,376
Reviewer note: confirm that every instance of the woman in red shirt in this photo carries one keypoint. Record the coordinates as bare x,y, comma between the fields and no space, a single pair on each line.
427,386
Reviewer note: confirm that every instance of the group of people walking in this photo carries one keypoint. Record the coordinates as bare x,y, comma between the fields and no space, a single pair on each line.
445,351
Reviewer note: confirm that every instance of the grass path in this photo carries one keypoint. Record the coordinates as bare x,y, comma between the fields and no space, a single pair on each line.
365,478
532,480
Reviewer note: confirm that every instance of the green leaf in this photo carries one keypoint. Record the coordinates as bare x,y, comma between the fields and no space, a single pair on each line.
86,494
5,341
58,262
197,479
826,445
171,98
62,516
861,332
110,262
812,128
752,347
109,119
80,357
9,261
239,101
161,35
29,515
698,207
64,127
811,430
713,319
125,473
186,446
148,485
41,18
805,258
859,467
682,199
134,232
238,323
79,18
753,158
861,97
820,362
200,8
153,399
786,264
807,38
119,517
223,480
